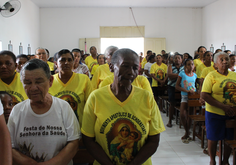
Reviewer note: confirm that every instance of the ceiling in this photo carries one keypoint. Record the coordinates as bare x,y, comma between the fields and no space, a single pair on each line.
121,3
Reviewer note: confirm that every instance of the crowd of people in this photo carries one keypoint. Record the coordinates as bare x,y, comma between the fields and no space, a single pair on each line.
109,100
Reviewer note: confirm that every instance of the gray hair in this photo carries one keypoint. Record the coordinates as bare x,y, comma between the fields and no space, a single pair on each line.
122,52
110,48
36,64
218,54
41,48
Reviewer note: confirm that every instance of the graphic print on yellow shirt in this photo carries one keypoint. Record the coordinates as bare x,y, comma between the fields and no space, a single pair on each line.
72,98
122,141
121,128
75,92
90,62
229,91
15,89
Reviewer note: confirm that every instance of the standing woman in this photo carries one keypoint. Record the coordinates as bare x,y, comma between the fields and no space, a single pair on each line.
219,92
43,128
186,83
67,85
173,72
201,50
207,57
101,60
117,114
9,78
78,66
91,60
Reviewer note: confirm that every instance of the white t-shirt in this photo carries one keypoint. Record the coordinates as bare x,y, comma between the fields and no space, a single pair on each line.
43,136
1,108
147,67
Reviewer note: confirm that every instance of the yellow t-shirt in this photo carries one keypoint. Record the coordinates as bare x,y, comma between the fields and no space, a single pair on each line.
15,89
222,88
198,62
159,71
140,81
100,74
90,61
112,122
207,70
94,69
51,65
144,61
75,92
200,68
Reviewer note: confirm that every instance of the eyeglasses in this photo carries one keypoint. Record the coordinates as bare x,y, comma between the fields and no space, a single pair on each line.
41,54
63,60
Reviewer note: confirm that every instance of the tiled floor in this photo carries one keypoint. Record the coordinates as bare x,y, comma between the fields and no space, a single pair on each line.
172,151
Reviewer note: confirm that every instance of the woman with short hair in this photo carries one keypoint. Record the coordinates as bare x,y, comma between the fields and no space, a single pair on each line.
108,111
67,85
219,92
43,128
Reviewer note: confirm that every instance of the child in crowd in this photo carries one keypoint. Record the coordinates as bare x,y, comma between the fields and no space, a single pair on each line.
186,84
7,103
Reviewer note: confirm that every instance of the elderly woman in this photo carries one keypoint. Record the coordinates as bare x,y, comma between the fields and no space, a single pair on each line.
43,128
67,85
219,92
121,103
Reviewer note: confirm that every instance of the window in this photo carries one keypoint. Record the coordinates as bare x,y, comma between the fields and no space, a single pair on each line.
136,44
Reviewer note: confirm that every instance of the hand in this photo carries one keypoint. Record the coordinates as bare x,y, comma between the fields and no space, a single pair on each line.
229,110
161,83
191,92
202,101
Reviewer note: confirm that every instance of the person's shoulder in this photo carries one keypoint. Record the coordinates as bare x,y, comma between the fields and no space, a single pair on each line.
57,101
233,74
164,64
100,91
182,72
81,76
141,92
20,107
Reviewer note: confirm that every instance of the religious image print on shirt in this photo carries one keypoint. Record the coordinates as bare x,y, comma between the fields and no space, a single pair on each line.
122,141
229,91
72,98
160,74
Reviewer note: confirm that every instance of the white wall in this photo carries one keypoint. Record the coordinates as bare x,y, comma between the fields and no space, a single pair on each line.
218,25
21,27
62,27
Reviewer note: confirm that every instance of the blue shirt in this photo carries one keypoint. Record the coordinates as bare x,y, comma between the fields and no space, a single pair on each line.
187,82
